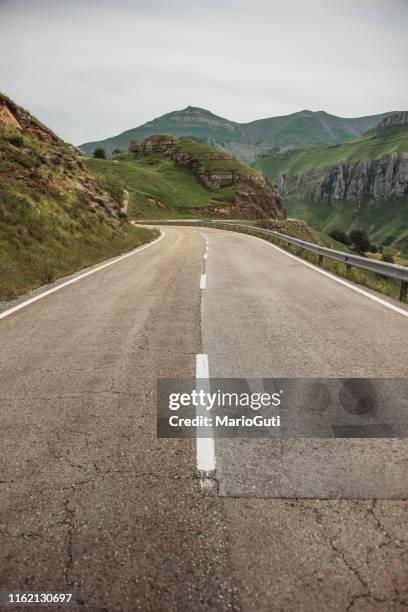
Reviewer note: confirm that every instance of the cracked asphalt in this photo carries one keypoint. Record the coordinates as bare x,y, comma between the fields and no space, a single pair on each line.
92,502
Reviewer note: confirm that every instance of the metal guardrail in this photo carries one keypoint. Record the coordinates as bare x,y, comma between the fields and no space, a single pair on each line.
395,271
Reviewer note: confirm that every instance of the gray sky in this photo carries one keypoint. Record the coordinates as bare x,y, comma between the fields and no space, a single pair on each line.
93,68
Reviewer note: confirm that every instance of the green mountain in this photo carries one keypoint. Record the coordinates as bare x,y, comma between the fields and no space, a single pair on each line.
54,217
361,183
247,141
373,145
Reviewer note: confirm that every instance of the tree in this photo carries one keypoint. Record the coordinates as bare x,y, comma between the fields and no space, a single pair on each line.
360,240
99,153
339,236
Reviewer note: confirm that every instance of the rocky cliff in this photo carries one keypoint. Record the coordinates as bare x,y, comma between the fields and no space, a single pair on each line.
385,177
39,162
382,179
395,120
254,196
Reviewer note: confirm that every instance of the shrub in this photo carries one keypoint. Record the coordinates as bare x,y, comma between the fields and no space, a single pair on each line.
340,236
388,256
360,241
99,153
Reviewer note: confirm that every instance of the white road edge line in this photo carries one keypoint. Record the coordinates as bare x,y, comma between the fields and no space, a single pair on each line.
335,278
204,445
203,281
40,296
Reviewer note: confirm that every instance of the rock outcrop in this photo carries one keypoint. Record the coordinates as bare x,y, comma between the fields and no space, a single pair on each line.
255,196
395,120
214,179
157,143
134,146
382,179
35,158
258,200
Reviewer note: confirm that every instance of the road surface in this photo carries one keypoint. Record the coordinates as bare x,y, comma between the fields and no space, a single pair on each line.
92,503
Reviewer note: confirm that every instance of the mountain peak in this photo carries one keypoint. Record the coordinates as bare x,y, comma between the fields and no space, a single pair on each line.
196,110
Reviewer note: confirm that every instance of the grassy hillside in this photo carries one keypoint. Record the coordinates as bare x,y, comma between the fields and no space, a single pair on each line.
388,222
158,187
245,140
372,145
382,219
166,178
224,163
54,219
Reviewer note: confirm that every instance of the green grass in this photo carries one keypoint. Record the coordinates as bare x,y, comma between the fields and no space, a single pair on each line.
372,145
42,239
49,229
158,177
225,163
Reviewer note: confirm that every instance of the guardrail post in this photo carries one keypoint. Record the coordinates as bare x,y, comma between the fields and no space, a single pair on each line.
403,291
320,260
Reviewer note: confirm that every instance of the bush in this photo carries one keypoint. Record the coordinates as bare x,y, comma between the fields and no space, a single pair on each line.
99,153
339,236
388,256
360,241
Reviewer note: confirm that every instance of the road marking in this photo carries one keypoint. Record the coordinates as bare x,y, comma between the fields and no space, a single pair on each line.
204,445
40,296
336,278
203,281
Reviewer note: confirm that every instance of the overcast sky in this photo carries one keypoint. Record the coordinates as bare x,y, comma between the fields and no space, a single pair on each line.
93,68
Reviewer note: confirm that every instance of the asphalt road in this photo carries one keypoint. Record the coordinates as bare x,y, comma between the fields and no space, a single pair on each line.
92,503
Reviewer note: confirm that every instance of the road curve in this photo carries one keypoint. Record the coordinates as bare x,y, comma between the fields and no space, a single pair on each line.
94,503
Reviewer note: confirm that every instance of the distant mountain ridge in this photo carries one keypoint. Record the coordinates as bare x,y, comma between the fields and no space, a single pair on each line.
247,141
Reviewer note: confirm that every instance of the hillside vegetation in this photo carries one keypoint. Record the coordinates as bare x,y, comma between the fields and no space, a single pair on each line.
245,140
387,224
158,187
54,218
372,145
166,177
362,183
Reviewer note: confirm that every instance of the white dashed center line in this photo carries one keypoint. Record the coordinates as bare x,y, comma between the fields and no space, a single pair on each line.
205,437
